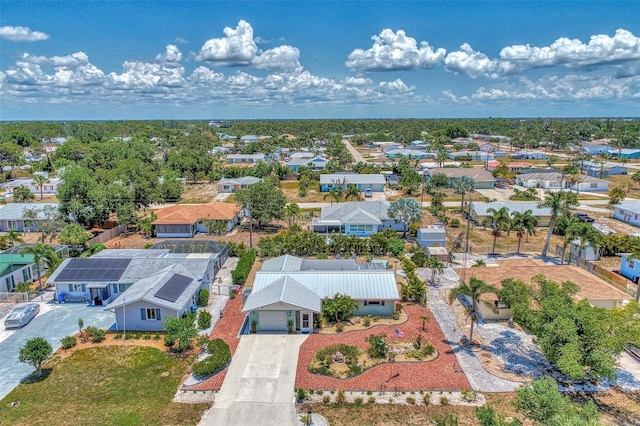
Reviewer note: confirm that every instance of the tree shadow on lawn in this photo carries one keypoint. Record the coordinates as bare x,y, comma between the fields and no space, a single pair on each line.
621,416
517,357
34,378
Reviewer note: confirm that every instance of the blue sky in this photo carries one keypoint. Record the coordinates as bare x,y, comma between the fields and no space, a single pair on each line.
101,60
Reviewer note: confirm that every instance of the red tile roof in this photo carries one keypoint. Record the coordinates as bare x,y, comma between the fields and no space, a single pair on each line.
181,214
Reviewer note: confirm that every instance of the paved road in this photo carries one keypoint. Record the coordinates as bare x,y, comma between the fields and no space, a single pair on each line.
58,322
357,157
258,388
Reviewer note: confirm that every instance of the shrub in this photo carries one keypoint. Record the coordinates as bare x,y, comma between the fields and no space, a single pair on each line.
156,336
426,398
147,337
204,320
203,297
147,245
326,399
339,327
444,400
95,334
411,400
220,356
68,342
232,295
428,349
469,395
169,341
366,321
117,336
240,274
341,398
371,400
301,395
138,336
358,402
378,347
420,259
455,223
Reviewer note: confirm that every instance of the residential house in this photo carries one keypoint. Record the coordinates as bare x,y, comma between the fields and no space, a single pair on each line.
432,236
230,185
412,154
556,181
471,156
185,220
629,268
107,276
219,150
595,148
25,217
479,211
598,292
16,269
603,169
488,147
245,158
51,187
461,141
359,218
627,211
588,253
529,155
249,139
315,163
298,155
483,178
374,182
628,153
289,291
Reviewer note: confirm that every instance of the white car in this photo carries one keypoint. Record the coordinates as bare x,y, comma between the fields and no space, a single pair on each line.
21,315
368,193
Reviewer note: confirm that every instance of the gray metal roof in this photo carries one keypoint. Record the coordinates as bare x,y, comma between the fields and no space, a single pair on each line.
310,265
518,206
146,289
130,253
244,180
282,264
357,212
284,290
631,205
328,179
360,285
557,177
14,211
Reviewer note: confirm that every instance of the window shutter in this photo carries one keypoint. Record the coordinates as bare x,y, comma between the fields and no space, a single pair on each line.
70,287
84,288
158,314
142,314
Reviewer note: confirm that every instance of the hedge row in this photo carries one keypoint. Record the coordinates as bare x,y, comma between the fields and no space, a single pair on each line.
240,274
220,356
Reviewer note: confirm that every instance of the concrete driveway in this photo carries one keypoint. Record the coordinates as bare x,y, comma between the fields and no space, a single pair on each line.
53,323
258,388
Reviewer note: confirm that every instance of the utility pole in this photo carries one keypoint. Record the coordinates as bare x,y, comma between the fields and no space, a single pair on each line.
250,225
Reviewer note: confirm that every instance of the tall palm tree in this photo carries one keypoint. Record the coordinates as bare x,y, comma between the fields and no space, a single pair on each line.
333,194
352,192
40,180
40,253
292,211
14,237
462,186
523,224
473,290
436,266
586,234
560,204
441,157
569,222
635,177
498,221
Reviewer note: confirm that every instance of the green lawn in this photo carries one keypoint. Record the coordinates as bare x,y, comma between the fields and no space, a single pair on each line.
97,386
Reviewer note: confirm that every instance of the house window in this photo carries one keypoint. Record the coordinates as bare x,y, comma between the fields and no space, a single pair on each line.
119,288
594,185
361,228
501,305
26,274
151,314
77,288
9,281
374,303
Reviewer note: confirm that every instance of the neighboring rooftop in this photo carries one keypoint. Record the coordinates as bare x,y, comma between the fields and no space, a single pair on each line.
186,214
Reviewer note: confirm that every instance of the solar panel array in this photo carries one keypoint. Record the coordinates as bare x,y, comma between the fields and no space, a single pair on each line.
173,288
92,270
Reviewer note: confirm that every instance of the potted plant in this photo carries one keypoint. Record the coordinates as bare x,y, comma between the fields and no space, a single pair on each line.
254,326
290,325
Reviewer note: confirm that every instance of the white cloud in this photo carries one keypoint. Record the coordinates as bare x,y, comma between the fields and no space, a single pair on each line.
171,57
470,62
21,34
394,51
623,49
181,40
239,48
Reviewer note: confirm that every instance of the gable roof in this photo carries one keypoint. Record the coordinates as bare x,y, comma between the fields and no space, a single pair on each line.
244,180
150,288
358,212
556,177
356,178
284,290
476,173
184,214
517,206
13,211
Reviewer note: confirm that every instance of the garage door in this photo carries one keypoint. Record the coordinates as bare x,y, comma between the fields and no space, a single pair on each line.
273,321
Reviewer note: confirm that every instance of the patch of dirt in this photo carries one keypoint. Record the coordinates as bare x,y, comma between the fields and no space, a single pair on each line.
201,192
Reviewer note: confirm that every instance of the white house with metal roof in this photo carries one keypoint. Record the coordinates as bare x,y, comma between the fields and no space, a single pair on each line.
230,185
359,218
374,182
25,216
289,291
628,211
479,211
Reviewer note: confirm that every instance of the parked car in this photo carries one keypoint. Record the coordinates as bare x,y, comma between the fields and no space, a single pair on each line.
368,193
21,315
583,217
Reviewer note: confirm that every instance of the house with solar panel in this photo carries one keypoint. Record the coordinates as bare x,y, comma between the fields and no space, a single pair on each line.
291,290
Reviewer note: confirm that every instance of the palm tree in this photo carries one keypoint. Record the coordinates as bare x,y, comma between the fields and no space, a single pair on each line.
498,221
40,180
585,233
473,290
436,266
441,157
352,192
333,194
462,186
635,177
40,253
568,222
14,237
559,203
523,224
292,211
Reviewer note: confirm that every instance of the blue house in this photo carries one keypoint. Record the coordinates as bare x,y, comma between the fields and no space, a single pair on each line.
374,182
413,154
432,236
630,269
595,148
315,163
627,153
359,218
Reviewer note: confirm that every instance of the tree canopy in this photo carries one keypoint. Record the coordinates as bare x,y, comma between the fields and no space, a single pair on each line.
35,351
264,200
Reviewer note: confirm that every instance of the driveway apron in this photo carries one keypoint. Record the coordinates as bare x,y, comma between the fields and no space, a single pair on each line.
258,388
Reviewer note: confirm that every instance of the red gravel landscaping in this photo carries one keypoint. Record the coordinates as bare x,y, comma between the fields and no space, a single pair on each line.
226,329
444,373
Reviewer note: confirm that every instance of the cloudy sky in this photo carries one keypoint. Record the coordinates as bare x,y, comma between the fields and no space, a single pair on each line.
86,60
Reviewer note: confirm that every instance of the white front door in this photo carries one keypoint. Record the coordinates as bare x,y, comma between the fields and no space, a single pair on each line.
306,321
